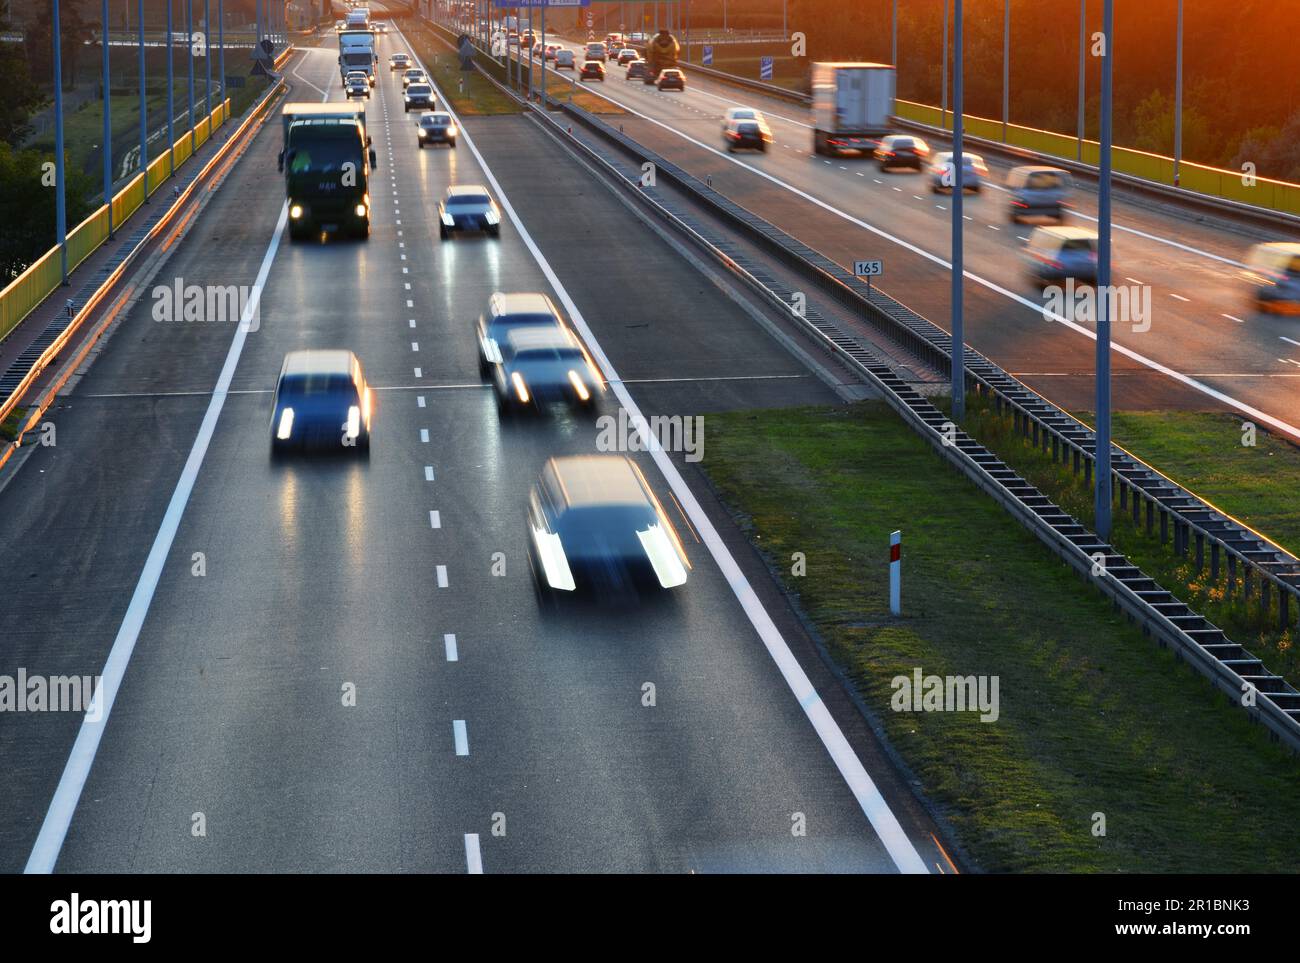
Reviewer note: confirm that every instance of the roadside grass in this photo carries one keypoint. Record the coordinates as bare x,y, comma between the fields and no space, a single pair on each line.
470,93
9,427
1204,452
592,103
1093,717
743,60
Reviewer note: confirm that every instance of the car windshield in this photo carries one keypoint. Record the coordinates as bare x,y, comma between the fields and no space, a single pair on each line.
324,151
1077,244
417,90
542,355
1043,180
315,385
435,120
467,201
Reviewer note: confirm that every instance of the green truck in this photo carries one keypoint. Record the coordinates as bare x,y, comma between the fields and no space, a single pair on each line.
327,163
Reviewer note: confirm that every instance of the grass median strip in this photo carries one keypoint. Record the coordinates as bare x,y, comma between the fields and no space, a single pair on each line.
1093,718
1203,451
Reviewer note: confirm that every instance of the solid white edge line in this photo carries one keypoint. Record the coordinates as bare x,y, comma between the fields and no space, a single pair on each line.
49,841
1141,359
860,783
473,858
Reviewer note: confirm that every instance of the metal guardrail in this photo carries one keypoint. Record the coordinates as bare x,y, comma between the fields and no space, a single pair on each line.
1229,665
1196,527
45,348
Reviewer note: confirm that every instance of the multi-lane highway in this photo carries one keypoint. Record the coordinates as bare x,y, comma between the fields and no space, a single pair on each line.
1201,345
339,664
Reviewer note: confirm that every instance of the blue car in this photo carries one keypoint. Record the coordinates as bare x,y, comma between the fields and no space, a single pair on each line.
507,313
543,365
468,207
596,527
1058,253
321,401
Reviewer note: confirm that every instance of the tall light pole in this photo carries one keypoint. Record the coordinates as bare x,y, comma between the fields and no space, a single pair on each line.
1083,42
171,94
1178,97
958,185
1101,479
60,203
144,103
943,96
108,124
1006,66
221,52
207,62
189,39
893,47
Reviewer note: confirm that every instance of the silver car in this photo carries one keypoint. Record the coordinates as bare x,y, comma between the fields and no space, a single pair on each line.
1038,193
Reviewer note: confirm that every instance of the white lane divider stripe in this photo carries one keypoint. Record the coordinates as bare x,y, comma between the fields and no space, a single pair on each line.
859,781
449,643
435,518
462,737
442,576
54,829
428,473
473,858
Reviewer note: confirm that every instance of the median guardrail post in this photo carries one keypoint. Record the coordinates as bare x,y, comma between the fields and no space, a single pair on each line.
896,573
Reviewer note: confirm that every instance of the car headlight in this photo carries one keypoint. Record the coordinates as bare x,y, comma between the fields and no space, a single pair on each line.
420,132
555,566
354,421
286,424
665,561
521,389
295,211
575,379
451,130
448,219
361,210
492,217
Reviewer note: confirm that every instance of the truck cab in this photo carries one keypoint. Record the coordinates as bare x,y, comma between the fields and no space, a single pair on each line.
327,168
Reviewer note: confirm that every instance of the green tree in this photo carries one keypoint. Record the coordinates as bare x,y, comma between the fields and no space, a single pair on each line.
27,207
21,93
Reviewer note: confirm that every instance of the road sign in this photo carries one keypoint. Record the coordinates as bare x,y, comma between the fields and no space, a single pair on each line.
708,55
868,270
765,69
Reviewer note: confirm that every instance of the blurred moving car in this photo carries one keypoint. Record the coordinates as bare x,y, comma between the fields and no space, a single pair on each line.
321,401
592,70
413,75
468,207
507,313
435,127
1273,269
746,133
741,113
943,172
564,60
542,365
671,78
1059,252
635,69
626,56
901,150
399,61
1038,192
595,525
596,51
357,87
419,96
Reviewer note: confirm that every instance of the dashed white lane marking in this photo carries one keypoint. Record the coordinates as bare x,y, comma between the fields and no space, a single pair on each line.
449,643
877,180
435,518
992,228
1021,237
1133,281
1289,341
412,322
428,473
410,303
473,858
442,576
918,197
1178,296
418,373
407,285
462,737
424,436
1231,318
873,805
415,346
419,401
